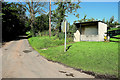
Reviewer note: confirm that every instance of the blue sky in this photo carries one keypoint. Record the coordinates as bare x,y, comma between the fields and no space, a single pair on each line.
97,10
119,12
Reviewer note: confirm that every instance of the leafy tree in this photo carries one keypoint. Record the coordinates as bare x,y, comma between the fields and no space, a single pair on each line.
103,19
107,22
63,9
13,21
33,8
116,23
72,30
111,20
42,23
91,19
84,19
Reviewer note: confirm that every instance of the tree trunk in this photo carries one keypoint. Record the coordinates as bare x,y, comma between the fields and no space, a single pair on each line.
32,29
60,26
50,19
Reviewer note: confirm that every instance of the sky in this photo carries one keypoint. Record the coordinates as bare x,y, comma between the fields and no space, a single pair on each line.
119,12
93,9
96,10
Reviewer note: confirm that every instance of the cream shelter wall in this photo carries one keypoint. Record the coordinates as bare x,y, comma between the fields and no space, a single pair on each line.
102,29
77,36
91,30
90,34
89,38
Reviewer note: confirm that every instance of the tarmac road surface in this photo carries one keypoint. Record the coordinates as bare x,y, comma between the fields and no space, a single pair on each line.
19,60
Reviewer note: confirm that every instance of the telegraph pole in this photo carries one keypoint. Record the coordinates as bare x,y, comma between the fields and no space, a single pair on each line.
50,19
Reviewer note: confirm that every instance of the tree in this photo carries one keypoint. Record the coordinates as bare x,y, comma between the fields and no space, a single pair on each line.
63,9
107,22
72,30
50,19
42,23
33,8
111,20
84,19
91,19
103,20
13,21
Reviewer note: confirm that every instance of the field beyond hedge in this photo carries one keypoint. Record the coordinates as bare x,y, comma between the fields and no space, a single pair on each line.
98,57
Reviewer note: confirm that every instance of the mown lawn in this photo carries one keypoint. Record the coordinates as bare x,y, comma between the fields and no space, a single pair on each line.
99,57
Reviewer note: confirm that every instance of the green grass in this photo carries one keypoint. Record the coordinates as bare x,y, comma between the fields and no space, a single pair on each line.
45,42
113,39
113,29
99,57
117,36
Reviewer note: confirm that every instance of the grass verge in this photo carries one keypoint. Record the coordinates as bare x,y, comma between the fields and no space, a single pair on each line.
98,57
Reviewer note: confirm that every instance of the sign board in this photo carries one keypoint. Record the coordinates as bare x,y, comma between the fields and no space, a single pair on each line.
64,23
65,28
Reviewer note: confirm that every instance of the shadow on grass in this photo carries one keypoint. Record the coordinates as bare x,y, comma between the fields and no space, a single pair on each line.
68,47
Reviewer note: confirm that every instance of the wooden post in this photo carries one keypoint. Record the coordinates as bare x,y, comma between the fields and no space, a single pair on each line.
50,19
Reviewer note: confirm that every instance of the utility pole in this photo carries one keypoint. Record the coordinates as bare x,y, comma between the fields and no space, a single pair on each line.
50,19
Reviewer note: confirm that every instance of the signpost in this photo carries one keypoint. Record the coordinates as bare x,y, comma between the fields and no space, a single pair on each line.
65,28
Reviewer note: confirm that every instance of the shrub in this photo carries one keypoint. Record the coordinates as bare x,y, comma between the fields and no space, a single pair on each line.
61,35
28,33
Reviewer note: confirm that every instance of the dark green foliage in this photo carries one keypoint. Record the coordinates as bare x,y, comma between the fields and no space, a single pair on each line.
44,33
85,19
114,34
71,31
42,23
41,26
62,11
13,21
111,22
61,35
33,8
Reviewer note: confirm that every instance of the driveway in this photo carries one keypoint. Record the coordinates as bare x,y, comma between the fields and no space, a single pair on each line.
19,60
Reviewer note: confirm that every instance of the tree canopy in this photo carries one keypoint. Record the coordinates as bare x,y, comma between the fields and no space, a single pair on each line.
62,11
42,23
33,8
13,21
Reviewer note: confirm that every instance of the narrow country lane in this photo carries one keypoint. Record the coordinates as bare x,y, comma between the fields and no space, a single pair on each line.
19,60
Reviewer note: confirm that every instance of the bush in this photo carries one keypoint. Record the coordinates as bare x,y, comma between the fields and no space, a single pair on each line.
44,33
53,33
29,33
61,35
